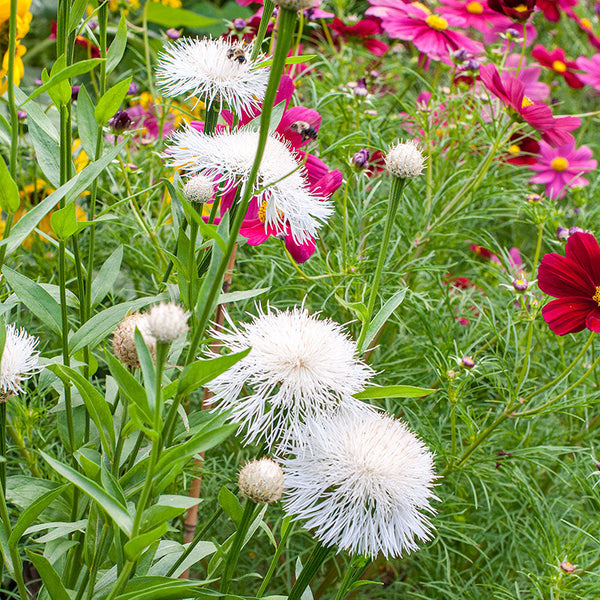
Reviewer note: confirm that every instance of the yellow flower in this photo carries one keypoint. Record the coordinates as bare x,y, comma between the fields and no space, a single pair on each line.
80,159
23,20
171,3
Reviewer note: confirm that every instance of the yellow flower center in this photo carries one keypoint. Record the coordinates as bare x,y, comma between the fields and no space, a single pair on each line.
521,8
596,296
559,66
262,212
586,23
475,8
436,22
514,149
526,102
559,164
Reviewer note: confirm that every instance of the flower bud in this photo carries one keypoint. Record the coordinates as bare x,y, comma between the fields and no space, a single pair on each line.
567,567
167,322
239,24
120,122
133,89
520,284
173,34
562,233
575,229
123,341
467,362
199,189
405,160
361,159
261,481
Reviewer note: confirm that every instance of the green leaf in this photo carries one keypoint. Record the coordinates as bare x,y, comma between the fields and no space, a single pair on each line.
92,332
31,513
52,581
110,102
105,280
95,403
168,16
47,152
36,114
60,91
35,298
230,504
381,318
133,548
9,193
86,122
147,368
242,295
70,190
117,48
59,75
164,588
201,372
64,221
358,309
75,15
394,391
104,500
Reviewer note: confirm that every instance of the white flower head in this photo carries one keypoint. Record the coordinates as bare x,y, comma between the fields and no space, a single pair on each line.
362,483
123,341
19,361
262,481
281,189
167,322
405,160
199,189
213,70
299,367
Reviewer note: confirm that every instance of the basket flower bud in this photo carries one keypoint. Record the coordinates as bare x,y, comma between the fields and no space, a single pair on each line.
167,322
261,481
123,341
405,160
199,189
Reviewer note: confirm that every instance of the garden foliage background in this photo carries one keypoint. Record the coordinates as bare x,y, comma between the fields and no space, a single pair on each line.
513,418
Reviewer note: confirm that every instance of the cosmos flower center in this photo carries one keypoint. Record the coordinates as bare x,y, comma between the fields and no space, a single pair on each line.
436,22
586,23
521,8
559,164
514,149
526,102
475,8
596,296
559,66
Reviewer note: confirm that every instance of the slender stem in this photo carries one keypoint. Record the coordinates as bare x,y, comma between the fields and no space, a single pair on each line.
268,8
233,554
317,558
96,561
357,567
398,185
265,582
16,559
3,446
121,580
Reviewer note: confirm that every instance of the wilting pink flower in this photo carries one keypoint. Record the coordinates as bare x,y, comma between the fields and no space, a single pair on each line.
562,167
364,32
557,62
552,8
511,91
472,13
591,70
428,31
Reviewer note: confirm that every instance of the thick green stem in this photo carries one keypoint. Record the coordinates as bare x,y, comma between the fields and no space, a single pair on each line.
398,185
317,558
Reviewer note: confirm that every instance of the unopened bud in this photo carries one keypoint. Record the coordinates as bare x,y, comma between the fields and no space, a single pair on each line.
120,122
261,481
467,362
361,159
520,284
167,322
123,341
405,160
199,189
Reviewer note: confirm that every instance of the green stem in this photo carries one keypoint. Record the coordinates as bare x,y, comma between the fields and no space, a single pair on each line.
355,570
398,185
121,580
268,8
96,561
16,559
236,545
3,446
284,536
317,558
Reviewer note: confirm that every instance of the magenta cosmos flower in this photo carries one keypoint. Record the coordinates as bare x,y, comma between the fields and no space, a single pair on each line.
552,8
511,91
556,61
426,30
561,168
574,280
472,13
364,32
591,70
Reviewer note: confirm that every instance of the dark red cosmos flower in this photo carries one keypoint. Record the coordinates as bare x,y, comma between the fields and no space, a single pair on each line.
517,10
511,91
522,150
557,62
574,280
552,8
365,32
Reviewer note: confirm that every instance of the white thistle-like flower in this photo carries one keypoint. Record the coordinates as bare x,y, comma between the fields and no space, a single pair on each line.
299,367
19,361
261,481
215,71
281,189
167,322
123,341
199,189
405,160
362,483
297,4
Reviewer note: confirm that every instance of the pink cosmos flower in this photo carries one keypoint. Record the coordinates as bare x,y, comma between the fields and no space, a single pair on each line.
511,91
552,8
428,31
529,76
364,31
586,26
562,167
591,70
557,62
472,13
